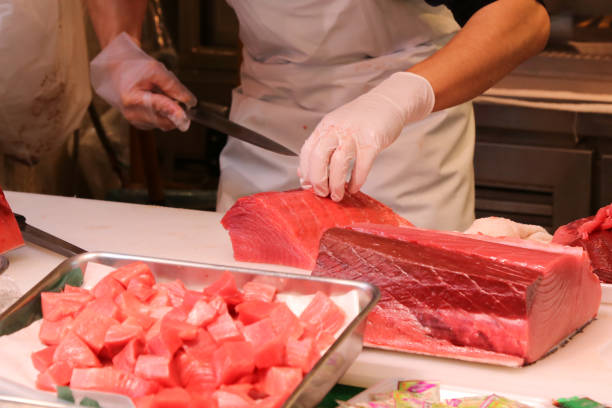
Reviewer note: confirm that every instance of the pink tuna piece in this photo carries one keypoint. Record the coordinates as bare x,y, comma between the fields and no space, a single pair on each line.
322,315
258,291
301,354
269,348
125,360
42,359
447,294
224,329
75,351
51,333
233,360
195,374
281,381
110,379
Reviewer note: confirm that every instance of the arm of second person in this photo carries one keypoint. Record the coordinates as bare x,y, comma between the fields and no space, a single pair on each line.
143,90
495,39
112,17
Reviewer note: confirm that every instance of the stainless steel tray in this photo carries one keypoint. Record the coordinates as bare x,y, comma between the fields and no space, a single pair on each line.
315,384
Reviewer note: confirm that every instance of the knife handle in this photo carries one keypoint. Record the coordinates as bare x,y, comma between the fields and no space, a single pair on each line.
35,236
222,110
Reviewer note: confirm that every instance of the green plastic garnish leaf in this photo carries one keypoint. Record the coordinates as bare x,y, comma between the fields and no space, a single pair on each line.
88,402
576,402
65,393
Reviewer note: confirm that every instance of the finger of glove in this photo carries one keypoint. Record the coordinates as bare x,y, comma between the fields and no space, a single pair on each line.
169,84
168,109
339,167
144,108
305,152
318,163
363,164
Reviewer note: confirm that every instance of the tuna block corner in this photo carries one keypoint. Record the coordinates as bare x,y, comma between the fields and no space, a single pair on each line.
500,301
10,235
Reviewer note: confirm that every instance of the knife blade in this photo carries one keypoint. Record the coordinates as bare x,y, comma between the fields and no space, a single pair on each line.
219,123
41,238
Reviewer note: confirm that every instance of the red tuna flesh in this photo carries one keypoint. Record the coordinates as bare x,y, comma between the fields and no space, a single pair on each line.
285,227
10,235
453,295
595,235
601,221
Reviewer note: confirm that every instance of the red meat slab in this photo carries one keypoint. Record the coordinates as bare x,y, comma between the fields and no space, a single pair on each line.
10,235
285,227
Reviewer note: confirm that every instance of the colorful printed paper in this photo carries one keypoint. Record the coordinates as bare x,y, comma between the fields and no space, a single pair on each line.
425,394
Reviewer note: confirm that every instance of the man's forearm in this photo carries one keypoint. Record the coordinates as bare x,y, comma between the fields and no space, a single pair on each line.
492,43
112,17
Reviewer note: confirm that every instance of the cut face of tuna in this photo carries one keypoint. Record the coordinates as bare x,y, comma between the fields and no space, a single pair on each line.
285,227
448,294
595,235
10,235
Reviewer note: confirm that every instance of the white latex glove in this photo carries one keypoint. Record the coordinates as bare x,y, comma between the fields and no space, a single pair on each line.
356,132
143,90
503,227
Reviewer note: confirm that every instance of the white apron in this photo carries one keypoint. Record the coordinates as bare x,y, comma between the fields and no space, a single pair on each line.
44,79
304,58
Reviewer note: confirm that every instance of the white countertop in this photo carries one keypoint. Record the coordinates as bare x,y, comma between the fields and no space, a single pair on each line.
583,367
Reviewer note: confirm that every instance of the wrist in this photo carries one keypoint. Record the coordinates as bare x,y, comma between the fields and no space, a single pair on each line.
410,93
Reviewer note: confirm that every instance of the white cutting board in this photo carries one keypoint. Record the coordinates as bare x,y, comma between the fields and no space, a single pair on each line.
582,367
606,293
145,230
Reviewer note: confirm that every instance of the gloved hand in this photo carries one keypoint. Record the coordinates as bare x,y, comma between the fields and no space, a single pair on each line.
143,90
503,227
356,132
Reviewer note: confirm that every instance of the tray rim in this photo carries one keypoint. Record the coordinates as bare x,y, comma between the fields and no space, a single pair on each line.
62,268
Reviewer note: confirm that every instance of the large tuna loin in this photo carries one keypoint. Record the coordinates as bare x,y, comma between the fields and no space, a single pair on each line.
10,235
484,299
595,235
285,227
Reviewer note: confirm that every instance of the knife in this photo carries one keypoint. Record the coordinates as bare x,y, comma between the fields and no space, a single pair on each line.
213,120
41,238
